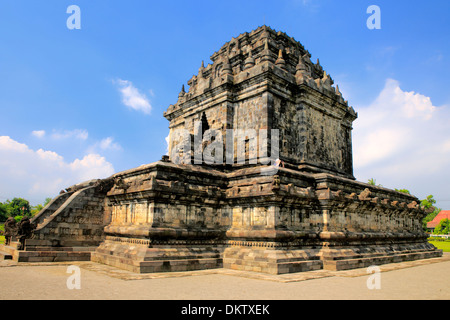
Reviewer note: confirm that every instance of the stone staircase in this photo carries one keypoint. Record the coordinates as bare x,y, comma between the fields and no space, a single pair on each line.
68,228
51,207
7,252
44,254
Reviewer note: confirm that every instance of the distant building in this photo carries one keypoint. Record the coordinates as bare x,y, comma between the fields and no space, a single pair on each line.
444,214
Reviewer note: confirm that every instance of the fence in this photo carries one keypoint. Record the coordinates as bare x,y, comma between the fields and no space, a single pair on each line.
446,236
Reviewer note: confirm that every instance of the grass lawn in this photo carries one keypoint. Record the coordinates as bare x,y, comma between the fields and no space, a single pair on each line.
443,245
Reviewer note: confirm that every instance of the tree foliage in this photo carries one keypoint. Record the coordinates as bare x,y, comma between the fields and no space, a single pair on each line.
3,212
18,207
35,210
47,200
373,182
443,227
428,205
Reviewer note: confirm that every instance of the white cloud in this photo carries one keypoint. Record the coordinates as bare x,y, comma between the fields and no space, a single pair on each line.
437,57
9,145
303,2
403,141
36,175
131,97
311,5
91,166
79,134
109,144
167,143
38,133
106,144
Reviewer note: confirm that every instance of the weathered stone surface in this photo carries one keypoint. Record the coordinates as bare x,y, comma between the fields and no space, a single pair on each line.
292,95
74,218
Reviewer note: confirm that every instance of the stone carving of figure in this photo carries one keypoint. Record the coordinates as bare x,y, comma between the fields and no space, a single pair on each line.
10,230
25,231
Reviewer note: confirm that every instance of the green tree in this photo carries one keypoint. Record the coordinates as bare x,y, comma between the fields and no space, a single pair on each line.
431,211
46,202
373,182
3,212
18,207
428,203
443,227
35,209
403,190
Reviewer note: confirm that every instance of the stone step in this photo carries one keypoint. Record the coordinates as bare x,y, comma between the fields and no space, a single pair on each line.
52,256
180,265
10,249
157,265
355,263
5,256
71,249
45,254
14,244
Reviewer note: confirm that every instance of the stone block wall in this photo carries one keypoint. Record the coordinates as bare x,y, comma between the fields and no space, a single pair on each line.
79,220
51,207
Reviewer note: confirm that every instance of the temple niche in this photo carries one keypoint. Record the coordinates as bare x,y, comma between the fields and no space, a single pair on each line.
259,177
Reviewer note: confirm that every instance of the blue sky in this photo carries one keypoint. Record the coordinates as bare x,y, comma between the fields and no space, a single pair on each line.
82,104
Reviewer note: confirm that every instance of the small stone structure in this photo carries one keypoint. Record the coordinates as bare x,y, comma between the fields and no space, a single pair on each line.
221,199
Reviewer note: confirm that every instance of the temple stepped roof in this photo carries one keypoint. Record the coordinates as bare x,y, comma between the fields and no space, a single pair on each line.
246,54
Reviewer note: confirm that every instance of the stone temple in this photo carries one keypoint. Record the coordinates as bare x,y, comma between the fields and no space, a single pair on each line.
279,197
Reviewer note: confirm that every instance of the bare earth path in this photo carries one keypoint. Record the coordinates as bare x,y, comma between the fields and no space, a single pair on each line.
425,279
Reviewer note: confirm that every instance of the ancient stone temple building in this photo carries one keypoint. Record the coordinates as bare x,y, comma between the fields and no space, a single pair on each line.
259,177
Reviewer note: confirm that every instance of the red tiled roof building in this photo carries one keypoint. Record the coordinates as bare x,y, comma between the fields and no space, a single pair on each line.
444,214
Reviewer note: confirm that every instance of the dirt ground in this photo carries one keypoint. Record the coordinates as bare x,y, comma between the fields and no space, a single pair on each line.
421,280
